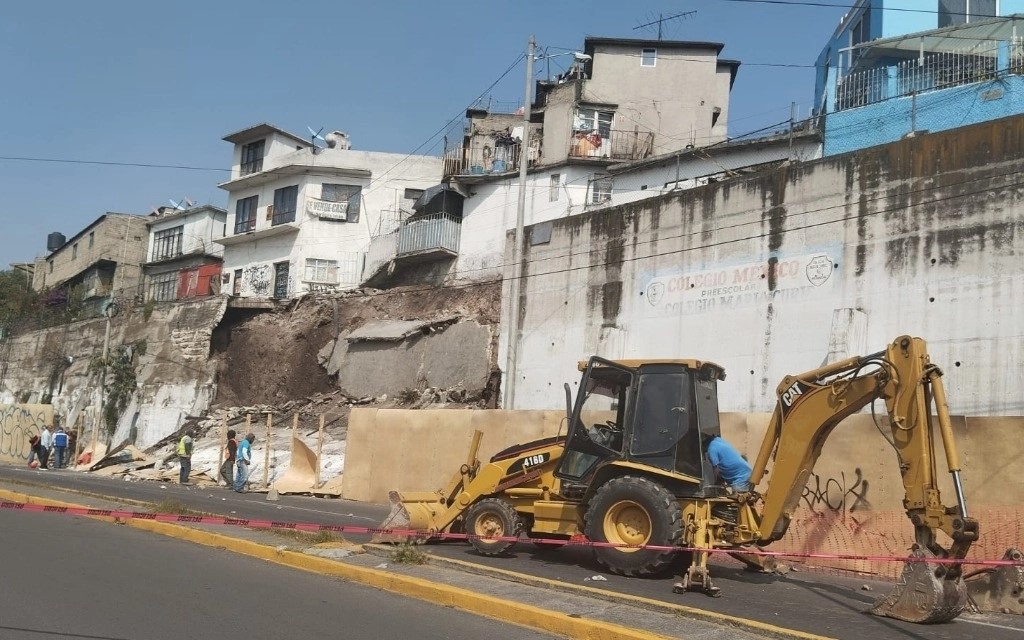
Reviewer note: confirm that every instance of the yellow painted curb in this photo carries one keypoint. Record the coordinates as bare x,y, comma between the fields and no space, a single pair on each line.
444,595
648,603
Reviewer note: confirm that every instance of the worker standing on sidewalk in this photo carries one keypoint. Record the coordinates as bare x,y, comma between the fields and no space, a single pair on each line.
244,455
185,457
60,447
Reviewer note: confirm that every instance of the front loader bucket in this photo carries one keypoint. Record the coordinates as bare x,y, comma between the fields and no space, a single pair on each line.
1000,590
408,513
923,594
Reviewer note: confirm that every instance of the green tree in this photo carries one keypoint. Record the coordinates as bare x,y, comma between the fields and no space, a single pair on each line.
17,299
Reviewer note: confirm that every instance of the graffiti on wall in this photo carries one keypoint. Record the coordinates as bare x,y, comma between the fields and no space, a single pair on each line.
258,279
673,291
840,494
17,423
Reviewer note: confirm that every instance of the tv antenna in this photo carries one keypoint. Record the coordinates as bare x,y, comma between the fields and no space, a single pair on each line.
314,136
662,20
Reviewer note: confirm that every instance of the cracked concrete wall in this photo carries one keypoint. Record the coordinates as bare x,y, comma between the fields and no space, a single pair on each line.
175,376
454,356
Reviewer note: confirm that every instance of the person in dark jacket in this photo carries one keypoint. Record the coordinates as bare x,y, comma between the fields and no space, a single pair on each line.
227,470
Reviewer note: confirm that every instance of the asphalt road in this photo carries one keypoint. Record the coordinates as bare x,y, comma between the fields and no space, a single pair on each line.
71,577
823,604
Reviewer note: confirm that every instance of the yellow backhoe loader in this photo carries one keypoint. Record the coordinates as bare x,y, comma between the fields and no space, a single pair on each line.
632,471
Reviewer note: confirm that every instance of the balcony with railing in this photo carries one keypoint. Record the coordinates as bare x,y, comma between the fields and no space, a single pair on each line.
419,239
482,158
612,144
929,71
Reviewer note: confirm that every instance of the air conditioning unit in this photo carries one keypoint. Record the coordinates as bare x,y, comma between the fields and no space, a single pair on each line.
270,212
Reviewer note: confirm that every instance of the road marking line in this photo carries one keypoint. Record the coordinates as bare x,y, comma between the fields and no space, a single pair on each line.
990,624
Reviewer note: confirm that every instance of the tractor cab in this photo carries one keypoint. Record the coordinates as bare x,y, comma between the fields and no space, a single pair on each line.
645,412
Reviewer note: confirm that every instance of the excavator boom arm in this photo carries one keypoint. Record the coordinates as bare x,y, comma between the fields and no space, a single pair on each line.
812,404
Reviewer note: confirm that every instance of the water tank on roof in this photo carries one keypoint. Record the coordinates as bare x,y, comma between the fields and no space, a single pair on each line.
55,241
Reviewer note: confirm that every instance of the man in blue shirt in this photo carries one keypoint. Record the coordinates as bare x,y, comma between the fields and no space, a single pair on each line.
730,466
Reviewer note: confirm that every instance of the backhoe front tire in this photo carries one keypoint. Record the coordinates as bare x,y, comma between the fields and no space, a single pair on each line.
635,511
492,517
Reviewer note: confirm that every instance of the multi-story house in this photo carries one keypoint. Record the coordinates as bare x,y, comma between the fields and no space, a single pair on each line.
898,67
301,213
621,101
104,259
183,260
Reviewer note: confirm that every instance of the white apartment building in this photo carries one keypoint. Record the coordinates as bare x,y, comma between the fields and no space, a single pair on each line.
301,215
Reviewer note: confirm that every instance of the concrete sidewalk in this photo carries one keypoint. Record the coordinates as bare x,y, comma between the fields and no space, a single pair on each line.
563,609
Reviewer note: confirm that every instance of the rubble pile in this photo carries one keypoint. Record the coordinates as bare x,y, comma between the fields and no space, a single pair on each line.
159,462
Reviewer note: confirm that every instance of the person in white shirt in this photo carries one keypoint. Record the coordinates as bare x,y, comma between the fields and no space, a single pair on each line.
46,442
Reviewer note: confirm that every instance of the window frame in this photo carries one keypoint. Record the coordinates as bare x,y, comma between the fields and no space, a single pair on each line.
590,119
318,264
602,180
286,203
653,59
168,243
74,251
251,158
247,206
163,287
554,186
328,193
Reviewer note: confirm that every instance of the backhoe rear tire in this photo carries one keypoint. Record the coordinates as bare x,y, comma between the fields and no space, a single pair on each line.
492,517
636,511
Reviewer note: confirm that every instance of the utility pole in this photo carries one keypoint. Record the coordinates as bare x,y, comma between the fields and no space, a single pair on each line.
103,374
515,287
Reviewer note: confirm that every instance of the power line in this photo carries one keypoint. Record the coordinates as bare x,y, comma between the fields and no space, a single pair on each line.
146,165
828,5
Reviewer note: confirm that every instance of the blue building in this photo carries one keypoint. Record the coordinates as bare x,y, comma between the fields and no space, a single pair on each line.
897,67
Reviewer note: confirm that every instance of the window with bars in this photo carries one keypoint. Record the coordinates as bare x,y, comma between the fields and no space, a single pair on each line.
163,286
167,243
252,157
285,201
350,193
321,271
245,214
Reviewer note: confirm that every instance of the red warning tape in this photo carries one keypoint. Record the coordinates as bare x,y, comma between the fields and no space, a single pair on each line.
428,535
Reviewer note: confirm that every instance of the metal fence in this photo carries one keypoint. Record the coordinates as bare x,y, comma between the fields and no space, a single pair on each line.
619,145
482,158
437,232
932,72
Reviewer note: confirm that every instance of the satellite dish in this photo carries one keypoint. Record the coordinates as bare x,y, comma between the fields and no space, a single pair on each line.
315,135
177,205
189,203
582,57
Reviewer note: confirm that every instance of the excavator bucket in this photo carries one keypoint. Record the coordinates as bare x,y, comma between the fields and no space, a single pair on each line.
923,594
410,512
999,590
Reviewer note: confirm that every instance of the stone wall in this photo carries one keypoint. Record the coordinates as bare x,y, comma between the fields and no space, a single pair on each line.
175,377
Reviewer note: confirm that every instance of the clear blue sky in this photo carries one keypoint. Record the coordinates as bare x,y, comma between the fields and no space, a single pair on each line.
162,82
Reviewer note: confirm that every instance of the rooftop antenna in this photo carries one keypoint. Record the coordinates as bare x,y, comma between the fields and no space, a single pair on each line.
662,20
314,136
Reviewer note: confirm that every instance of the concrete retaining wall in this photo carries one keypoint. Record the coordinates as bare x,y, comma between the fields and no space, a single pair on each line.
18,422
852,505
